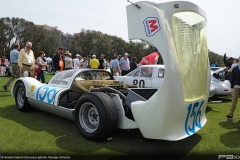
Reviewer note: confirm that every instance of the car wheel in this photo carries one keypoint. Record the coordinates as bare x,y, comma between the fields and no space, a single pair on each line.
21,99
96,116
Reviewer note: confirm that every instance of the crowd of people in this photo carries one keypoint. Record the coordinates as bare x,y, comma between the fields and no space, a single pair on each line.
23,62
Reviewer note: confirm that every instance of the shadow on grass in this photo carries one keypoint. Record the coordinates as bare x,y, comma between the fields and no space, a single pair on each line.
209,109
229,124
231,139
223,99
126,142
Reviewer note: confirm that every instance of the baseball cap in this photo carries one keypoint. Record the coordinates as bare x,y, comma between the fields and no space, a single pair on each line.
155,49
94,55
230,58
102,55
77,55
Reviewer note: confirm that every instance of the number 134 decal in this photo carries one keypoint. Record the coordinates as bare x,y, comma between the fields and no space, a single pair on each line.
193,118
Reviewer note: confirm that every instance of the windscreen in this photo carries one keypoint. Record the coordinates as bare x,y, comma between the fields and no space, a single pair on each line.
190,36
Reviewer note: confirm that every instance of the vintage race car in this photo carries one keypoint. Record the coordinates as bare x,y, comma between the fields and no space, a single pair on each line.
99,104
93,100
146,76
221,84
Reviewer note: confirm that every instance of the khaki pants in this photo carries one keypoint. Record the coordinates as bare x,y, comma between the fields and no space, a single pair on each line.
15,74
28,69
115,70
234,100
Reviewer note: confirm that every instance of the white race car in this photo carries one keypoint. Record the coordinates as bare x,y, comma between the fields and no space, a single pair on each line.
146,76
99,104
221,84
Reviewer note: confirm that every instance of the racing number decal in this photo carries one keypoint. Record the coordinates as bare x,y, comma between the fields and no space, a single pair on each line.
194,112
141,83
47,94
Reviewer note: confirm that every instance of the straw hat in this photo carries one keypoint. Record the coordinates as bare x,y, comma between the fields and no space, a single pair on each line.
67,53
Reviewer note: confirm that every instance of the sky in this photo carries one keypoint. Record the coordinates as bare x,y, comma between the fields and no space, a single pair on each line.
109,16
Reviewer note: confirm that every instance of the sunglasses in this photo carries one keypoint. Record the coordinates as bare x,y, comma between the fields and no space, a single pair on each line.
60,52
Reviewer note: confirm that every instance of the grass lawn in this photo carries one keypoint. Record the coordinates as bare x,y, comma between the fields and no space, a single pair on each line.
39,133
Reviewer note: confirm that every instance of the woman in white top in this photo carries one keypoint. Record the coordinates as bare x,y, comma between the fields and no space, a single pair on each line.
68,61
76,62
42,66
84,63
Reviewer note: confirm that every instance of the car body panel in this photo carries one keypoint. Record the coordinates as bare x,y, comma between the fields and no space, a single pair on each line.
143,79
215,68
46,97
223,87
169,114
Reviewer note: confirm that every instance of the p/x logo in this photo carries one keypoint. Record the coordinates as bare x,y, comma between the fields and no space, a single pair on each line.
151,25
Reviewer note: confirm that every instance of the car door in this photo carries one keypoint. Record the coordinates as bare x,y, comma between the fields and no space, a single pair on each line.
142,77
157,78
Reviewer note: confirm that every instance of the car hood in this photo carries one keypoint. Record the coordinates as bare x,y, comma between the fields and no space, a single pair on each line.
219,70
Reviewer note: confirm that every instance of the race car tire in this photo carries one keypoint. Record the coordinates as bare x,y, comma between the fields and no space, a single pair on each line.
21,99
96,116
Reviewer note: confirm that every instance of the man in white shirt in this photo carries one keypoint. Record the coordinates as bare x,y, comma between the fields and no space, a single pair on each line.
26,60
76,62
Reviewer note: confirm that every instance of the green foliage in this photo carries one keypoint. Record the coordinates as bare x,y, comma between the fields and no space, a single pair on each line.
214,57
86,42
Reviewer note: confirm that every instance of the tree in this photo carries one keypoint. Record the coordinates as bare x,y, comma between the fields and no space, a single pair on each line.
11,31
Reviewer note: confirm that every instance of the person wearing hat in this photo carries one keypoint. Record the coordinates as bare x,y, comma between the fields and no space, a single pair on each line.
228,62
151,58
68,60
94,63
76,63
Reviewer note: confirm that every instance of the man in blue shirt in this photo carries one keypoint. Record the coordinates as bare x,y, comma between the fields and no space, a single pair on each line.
125,64
14,64
115,66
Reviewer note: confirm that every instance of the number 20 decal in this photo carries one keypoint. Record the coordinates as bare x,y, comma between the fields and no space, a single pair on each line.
194,111
141,83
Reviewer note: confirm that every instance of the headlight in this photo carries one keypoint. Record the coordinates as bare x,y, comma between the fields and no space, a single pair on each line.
25,74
